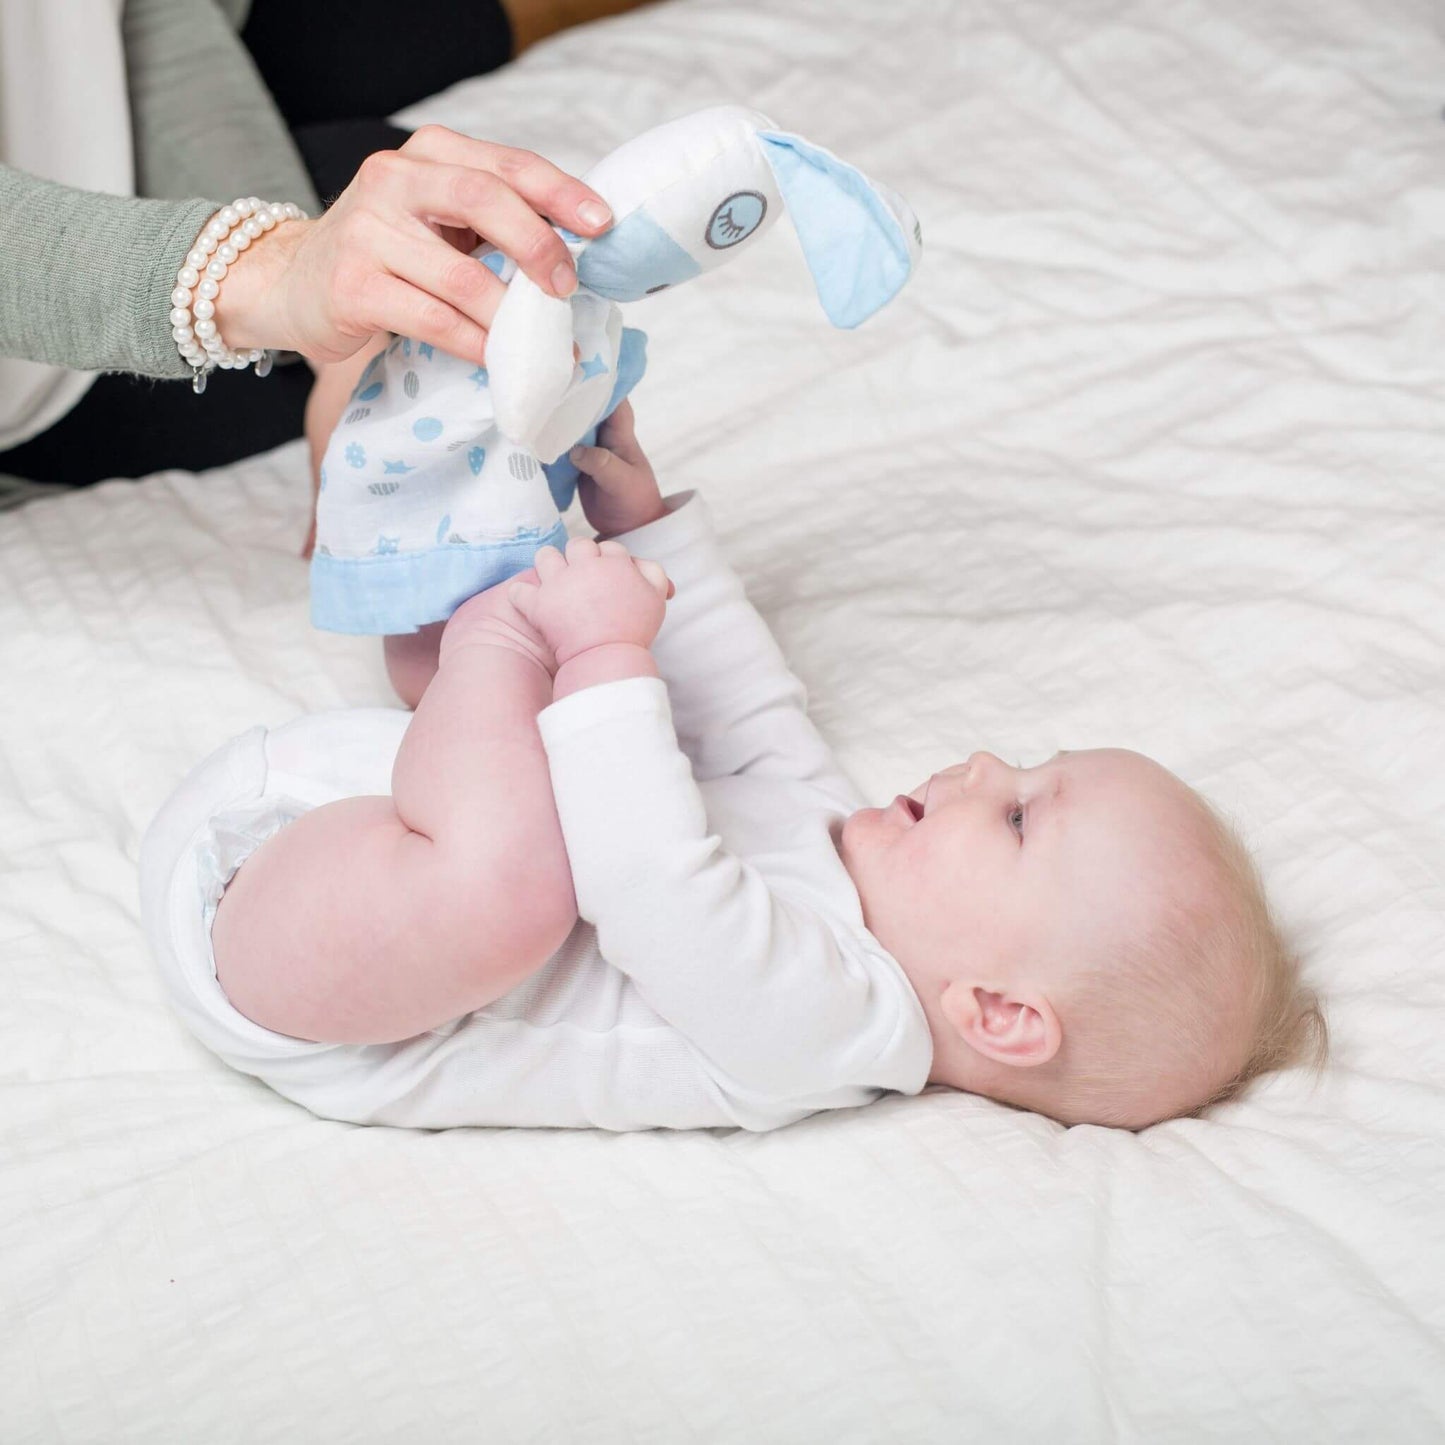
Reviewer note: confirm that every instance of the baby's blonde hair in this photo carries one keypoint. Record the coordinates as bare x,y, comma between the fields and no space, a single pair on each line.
1165,1029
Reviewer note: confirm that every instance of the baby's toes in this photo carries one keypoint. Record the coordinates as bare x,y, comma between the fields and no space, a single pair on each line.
655,577
548,563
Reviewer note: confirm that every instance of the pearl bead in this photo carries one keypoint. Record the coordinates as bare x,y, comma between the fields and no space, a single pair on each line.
224,237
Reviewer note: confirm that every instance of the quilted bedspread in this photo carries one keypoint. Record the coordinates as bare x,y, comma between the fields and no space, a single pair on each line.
1149,454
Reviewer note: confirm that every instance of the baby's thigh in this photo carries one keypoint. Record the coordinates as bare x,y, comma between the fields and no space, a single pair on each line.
348,927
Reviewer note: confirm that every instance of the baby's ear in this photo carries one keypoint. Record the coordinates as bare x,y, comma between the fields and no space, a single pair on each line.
1016,1028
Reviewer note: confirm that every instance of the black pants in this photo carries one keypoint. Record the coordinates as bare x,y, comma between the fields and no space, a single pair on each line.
333,70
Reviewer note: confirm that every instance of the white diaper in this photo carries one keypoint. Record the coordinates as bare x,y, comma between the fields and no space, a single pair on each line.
246,791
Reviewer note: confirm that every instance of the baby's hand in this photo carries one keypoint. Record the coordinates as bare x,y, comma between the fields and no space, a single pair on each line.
597,594
617,488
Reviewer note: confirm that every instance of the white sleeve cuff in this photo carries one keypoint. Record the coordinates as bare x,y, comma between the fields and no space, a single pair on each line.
688,520
592,707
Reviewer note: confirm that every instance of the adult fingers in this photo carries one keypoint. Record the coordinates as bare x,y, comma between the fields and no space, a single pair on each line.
392,304
549,190
461,196
430,264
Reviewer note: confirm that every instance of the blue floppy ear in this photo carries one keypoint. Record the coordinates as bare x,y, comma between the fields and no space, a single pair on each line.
860,240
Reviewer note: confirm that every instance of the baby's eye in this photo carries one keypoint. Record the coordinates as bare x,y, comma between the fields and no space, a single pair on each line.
1016,819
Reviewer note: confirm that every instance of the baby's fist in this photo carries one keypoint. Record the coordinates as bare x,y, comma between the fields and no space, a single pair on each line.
594,595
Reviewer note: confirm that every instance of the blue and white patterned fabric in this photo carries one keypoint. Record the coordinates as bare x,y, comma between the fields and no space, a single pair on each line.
424,502
443,478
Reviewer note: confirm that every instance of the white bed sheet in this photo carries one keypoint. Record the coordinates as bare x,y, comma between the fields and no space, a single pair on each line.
1150,454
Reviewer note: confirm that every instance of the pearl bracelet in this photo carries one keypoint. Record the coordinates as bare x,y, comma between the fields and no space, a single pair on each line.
198,283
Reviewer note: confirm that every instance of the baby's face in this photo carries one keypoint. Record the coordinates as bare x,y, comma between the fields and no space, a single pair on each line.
986,866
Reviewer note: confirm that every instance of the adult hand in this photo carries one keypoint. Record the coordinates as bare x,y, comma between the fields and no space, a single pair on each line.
391,253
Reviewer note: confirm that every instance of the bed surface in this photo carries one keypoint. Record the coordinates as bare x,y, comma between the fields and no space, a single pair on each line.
1150,454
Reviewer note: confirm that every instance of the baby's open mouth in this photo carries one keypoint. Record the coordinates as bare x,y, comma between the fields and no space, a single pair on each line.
912,809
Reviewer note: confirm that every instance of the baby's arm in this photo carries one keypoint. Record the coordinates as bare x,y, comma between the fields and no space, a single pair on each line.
737,706
756,980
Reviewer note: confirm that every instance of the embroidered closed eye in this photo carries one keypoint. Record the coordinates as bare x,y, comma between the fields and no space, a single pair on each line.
727,226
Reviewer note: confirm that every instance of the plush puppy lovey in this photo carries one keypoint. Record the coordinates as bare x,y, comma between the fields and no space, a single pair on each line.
444,477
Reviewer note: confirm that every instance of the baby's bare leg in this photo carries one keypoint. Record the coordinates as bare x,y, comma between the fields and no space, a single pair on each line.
373,919
411,661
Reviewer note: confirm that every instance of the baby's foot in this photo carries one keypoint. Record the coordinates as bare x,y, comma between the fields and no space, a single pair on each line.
595,595
491,619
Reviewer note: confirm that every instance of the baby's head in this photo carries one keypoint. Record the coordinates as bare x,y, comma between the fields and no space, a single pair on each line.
1088,939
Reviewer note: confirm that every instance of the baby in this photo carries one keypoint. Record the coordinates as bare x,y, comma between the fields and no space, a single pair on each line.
619,881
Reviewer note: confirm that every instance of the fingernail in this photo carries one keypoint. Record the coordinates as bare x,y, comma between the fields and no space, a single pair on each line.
593,213
564,280
578,452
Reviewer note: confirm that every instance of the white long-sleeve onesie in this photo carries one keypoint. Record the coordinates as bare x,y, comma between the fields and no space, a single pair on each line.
720,973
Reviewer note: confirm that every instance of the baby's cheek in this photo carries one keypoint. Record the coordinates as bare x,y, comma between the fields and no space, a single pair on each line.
855,831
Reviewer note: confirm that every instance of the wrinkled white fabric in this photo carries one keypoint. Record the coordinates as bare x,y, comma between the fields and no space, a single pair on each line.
1154,459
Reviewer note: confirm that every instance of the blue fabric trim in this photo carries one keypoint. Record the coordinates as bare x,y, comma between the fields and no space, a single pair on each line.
402,591
852,242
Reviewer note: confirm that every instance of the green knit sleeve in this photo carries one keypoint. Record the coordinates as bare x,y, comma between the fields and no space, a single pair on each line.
203,121
86,278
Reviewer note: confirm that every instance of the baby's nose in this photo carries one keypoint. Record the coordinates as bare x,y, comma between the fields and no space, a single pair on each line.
983,768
